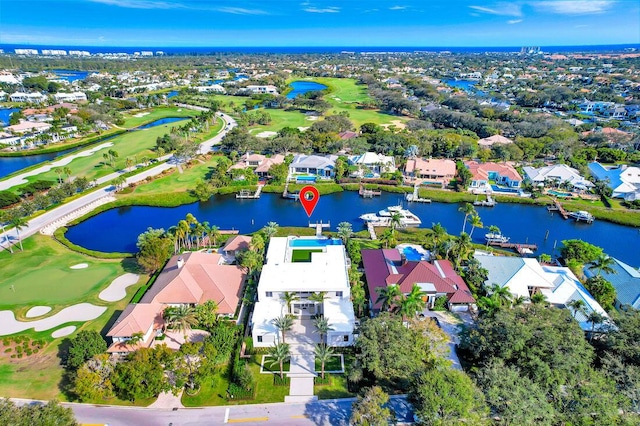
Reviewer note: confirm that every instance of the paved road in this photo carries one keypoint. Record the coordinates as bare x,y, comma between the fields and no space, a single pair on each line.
43,220
327,412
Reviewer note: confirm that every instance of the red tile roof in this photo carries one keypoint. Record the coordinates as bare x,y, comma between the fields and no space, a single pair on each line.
480,171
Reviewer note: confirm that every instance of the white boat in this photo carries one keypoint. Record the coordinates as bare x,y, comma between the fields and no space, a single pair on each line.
582,215
383,217
496,238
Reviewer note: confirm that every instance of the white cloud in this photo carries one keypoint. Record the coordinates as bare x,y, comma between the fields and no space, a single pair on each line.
574,7
514,21
241,11
142,4
397,7
502,9
330,9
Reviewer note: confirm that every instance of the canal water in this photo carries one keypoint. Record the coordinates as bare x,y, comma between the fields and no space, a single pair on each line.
523,223
5,115
302,87
71,75
10,165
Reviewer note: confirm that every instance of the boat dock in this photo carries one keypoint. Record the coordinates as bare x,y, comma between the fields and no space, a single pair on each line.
372,231
289,195
245,194
519,247
414,198
489,202
368,193
319,226
557,207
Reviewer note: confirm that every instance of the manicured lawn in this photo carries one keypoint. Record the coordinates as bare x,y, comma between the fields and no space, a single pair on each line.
268,367
281,118
337,388
334,364
41,275
303,255
154,114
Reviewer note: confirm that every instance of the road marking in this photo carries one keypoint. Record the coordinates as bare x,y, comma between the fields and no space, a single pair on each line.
226,416
249,419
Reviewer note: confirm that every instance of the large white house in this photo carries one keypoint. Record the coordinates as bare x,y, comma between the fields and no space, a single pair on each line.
372,163
70,97
557,173
316,165
623,180
35,97
304,266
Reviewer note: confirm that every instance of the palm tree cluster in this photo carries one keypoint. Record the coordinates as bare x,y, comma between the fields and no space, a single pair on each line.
190,234
497,297
458,250
407,305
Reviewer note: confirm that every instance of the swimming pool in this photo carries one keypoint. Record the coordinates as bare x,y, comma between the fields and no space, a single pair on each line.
315,242
306,178
497,188
412,254
559,194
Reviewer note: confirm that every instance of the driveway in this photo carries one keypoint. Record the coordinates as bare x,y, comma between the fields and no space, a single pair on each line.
452,325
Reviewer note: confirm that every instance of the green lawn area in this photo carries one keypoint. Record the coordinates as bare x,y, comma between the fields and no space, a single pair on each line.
337,388
281,118
303,255
41,275
147,116
334,364
275,368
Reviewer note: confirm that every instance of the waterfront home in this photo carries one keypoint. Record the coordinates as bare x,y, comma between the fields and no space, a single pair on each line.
70,97
371,164
622,179
261,164
484,173
302,267
386,267
214,88
35,98
433,171
626,281
525,277
28,127
262,89
234,245
187,280
556,174
316,165
495,139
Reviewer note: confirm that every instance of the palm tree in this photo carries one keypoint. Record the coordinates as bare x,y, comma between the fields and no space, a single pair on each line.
4,218
319,298
476,222
388,237
501,294
594,318
545,258
387,296
538,299
576,306
603,263
462,248
518,301
251,261
494,229
18,223
112,156
412,303
128,162
67,172
213,233
395,221
439,233
289,297
136,338
358,298
345,230
489,305
467,209
322,328
271,229
59,172
257,243
280,353
182,319
323,355
283,323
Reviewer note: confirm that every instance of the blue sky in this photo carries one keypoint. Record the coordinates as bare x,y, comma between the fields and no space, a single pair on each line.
224,23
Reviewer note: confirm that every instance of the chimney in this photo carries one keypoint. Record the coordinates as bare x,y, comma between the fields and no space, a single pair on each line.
180,262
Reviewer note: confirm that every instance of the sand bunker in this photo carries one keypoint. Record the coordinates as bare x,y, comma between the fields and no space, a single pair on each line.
79,312
80,266
64,331
312,118
117,290
37,311
399,124
141,114
266,134
302,128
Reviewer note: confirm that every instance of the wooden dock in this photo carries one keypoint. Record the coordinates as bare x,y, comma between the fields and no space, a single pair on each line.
415,198
489,202
372,231
519,247
289,195
245,194
368,193
557,207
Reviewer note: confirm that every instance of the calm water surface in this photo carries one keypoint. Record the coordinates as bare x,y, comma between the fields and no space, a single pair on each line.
118,229
71,75
5,115
302,87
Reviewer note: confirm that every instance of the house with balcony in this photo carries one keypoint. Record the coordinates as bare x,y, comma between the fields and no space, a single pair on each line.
70,97
488,177
314,165
188,279
304,266
432,171
372,165
35,98
387,267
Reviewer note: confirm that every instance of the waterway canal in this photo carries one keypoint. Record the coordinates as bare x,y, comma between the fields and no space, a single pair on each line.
523,223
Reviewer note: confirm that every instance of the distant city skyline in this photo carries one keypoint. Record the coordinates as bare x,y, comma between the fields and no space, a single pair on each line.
223,23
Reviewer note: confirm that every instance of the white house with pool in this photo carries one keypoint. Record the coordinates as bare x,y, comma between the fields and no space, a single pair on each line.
304,266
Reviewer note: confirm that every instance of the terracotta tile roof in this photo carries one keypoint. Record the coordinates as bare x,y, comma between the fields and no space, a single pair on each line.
480,171
137,318
432,166
238,242
201,278
499,139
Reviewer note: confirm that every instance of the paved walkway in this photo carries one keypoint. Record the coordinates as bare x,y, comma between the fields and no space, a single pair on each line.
301,374
61,212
